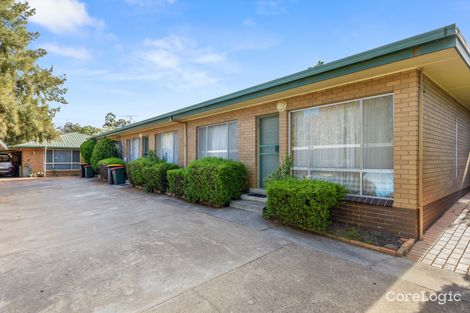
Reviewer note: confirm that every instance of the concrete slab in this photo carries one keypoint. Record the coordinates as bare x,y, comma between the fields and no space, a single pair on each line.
274,283
72,245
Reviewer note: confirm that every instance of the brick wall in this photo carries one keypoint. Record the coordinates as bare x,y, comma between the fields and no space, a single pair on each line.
399,221
403,85
445,172
178,128
50,173
402,217
33,158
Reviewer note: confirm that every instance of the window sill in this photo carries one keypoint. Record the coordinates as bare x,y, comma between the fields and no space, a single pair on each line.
369,200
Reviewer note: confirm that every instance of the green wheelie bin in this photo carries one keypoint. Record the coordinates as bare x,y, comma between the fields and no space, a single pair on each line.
119,175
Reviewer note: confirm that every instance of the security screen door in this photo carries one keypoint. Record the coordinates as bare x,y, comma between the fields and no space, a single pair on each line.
268,146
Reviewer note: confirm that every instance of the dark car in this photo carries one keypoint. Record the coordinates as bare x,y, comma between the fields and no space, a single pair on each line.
7,168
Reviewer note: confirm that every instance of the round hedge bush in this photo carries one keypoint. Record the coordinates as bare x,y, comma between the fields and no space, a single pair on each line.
104,148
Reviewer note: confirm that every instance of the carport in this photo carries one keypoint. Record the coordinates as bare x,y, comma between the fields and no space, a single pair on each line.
15,155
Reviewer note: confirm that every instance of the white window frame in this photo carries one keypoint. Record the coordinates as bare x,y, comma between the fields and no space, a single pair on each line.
53,163
175,146
228,140
361,170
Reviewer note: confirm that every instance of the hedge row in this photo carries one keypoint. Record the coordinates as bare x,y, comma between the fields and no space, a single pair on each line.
149,173
212,181
155,176
302,202
215,181
177,180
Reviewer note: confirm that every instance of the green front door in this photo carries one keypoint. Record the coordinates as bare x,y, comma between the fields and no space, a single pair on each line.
268,146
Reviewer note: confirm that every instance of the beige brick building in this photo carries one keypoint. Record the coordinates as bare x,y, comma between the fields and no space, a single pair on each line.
392,124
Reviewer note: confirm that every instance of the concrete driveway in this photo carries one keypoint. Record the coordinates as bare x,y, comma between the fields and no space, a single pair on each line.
72,245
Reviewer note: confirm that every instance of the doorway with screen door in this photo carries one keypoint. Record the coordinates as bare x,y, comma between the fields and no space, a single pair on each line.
268,146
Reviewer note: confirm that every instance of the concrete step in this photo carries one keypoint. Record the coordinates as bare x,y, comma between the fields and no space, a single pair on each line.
247,205
258,191
254,197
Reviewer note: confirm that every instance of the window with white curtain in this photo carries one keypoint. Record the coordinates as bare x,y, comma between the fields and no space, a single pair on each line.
349,143
166,147
133,149
218,140
62,159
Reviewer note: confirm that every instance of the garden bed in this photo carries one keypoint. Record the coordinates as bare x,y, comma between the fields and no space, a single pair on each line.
374,237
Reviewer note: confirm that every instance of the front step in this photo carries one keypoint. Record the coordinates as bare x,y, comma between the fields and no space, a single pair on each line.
254,197
247,205
258,191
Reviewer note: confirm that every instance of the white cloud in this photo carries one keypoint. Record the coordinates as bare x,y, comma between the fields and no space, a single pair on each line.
79,53
180,61
210,58
146,3
270,7
63,16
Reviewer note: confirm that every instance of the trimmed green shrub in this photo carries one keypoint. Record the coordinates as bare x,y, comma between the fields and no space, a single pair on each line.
155,176
215,181
302,202
109,161
86,149
135,167
104,148
103,166
177,181
134,172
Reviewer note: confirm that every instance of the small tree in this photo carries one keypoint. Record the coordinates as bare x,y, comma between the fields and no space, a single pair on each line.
104,148
86,149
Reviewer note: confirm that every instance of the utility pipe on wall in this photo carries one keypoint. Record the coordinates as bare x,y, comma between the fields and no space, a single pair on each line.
420,156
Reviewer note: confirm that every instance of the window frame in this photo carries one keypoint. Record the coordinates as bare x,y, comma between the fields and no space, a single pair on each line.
228,139
175,146
144,145
361,170
71,163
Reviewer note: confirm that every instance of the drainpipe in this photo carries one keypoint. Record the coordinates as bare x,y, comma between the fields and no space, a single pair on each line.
45,160
420,155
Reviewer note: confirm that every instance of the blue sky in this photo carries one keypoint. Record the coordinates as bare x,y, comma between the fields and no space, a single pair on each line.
147,57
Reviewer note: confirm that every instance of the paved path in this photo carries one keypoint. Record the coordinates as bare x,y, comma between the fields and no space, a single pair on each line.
72,245
447,243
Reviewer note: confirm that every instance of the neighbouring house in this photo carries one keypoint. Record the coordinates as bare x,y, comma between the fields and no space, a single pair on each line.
392,124
58,157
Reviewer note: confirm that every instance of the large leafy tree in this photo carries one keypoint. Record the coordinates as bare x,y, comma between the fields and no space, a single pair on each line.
70,127
111,122
26,89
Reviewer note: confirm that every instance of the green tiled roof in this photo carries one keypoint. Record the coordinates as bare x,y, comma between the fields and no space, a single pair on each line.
67,141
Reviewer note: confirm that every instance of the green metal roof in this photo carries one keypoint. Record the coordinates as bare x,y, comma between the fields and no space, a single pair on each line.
66,141
430,42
